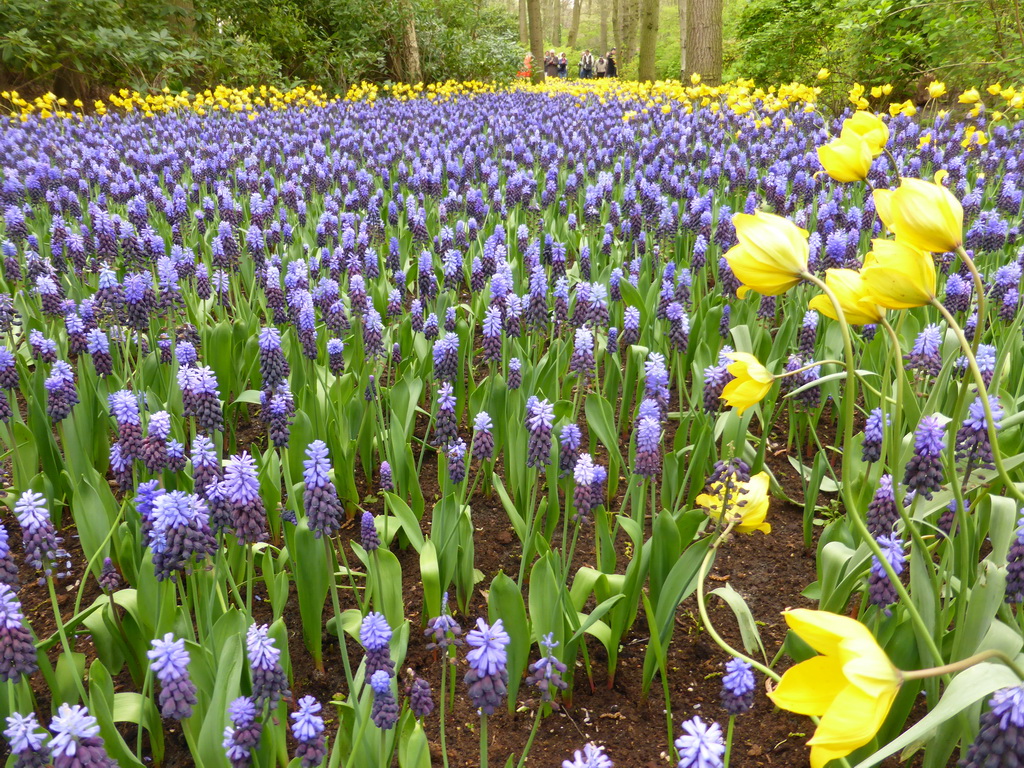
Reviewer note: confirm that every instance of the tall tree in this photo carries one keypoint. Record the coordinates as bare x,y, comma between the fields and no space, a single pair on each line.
556,22
683,66
704,40
602,44
574,28
536,39
410,46
630,12
650,12
524,25
616,22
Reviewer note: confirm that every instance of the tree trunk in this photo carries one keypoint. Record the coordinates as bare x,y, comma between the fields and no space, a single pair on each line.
704,40
574,29
616,24
536,39
411,49
556,22
630,21
648,40
602,45
524,25
684,71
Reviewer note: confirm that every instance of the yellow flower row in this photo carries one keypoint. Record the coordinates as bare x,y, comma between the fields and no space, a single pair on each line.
1013,99
201,102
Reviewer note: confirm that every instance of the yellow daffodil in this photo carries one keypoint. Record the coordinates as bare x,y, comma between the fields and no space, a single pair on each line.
870,127
923,214
850,686
746,505
852,294
847,158
772,253
936,89
750,384
898,275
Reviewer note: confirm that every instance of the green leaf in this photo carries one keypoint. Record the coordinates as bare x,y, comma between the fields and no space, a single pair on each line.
970,686
505,602
748,627
413,748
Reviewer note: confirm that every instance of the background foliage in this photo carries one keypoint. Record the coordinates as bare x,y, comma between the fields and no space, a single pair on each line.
77,46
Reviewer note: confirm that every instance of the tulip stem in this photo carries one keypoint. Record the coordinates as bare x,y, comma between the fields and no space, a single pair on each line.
979,381
960,666
979,291
852,513
702,607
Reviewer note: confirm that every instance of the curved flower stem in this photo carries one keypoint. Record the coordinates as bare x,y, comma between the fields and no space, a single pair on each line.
897,359
979,381
979,292
702,607
960,666
852,513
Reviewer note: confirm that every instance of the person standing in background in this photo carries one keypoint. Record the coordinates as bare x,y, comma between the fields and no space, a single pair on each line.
611,69
551,64
587,65
601,67
563,66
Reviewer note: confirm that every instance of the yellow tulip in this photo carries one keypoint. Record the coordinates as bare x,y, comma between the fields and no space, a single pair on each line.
823,74
745,506
772,253
850,686
847,158
994,89
925,215
898,275
869,127
852,294
751,381
936,89
970,96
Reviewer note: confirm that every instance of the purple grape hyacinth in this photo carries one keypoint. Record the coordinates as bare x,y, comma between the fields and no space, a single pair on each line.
487,677
38,536
737,687
319,497
76,742
169,661
240,490
17,646
375,637
242,736
540,417
700,745
308,730
26,740
924,470
547,672
269,682
1000,739
592,756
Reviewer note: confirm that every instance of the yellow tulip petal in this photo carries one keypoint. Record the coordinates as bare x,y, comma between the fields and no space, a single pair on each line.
851,721
810,687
